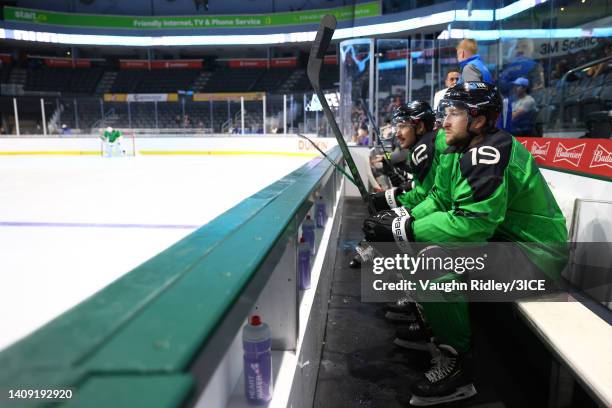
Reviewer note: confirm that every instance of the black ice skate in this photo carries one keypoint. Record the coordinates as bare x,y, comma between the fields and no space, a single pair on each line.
413,336
403,310
449,379
364,253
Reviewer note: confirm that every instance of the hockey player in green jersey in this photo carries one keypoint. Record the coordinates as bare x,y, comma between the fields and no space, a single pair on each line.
111,143
487,188
413,127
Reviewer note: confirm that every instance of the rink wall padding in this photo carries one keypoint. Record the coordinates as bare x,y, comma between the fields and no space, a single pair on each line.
168,146
132,343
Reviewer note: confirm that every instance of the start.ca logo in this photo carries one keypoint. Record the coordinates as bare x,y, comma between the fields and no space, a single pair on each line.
601,157
540,151
571,155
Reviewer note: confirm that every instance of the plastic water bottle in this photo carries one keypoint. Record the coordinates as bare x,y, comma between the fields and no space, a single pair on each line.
308,227
320,213
257,361
304,264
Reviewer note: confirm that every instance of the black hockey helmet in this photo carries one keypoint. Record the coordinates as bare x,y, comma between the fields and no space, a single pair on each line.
414,112
477,98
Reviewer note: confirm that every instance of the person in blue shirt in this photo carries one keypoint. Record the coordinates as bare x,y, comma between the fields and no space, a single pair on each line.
473,69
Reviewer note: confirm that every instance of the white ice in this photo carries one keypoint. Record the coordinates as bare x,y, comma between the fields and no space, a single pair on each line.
46,270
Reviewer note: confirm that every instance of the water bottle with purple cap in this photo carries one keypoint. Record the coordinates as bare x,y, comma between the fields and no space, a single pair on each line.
257,361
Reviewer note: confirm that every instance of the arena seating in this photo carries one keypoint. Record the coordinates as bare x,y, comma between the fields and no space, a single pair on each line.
154,81
225,79
85,81
66,80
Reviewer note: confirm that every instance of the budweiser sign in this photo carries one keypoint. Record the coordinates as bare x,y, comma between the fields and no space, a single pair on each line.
601,157
571,155
540,151
588,157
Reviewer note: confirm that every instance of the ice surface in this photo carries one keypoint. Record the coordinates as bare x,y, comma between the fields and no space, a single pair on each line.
63,232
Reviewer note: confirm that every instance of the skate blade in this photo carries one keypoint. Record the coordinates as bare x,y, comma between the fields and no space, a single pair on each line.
461,393
400,317
412,345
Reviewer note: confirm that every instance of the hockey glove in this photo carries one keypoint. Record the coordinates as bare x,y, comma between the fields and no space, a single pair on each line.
388,199
390,226
391,172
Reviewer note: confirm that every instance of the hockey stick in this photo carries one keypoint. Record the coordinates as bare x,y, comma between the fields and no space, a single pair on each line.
315,61
340,169
375,127
387,165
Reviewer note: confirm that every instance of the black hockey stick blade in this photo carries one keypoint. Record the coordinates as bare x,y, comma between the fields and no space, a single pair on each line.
315,61
336,165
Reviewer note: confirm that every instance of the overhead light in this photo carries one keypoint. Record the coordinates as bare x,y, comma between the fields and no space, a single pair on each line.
562,8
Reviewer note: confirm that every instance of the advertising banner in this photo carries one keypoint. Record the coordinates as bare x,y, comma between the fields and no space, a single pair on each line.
248,63
224,96
66,63
115,97
176,64
160,64
587,156
133,64
290,62
151,97
24,15
330,60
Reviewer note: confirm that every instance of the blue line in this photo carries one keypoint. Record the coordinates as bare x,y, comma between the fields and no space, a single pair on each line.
94,225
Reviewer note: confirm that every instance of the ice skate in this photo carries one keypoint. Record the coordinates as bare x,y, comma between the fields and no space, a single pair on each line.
364,253
413,336
449,379
404,310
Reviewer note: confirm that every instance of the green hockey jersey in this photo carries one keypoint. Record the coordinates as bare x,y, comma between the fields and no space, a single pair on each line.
423,159
112,136
494,191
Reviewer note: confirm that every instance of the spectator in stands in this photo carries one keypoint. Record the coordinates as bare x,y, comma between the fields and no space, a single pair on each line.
362,137
523,109
603,67
452,77
473,69
66,130
561,67
521,64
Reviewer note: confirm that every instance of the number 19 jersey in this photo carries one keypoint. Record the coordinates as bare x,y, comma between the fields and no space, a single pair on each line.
493,191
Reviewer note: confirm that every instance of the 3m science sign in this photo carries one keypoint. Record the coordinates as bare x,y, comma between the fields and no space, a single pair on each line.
589,156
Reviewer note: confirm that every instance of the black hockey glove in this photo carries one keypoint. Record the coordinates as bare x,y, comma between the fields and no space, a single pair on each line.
391,172
389,226
387,200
